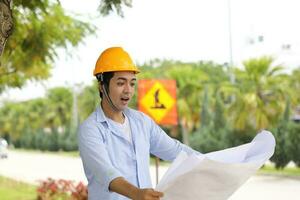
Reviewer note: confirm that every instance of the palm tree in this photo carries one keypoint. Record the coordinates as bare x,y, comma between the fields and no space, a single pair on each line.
59,108
189,88
259,94
88,100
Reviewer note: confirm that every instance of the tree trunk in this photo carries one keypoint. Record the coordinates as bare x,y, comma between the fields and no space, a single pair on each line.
185,136
6,23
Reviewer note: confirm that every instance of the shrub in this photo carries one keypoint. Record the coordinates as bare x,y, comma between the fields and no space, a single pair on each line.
208,139
281,157
294,142
61,190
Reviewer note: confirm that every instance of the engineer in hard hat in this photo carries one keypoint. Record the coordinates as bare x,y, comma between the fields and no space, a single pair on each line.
115,142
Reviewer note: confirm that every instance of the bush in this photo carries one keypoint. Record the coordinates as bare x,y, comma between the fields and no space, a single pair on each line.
61,190
53,139
208,139
41,141
294,142
26,140
68,142
281,157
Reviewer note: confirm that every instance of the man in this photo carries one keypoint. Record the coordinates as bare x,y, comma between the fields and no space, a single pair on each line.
115,141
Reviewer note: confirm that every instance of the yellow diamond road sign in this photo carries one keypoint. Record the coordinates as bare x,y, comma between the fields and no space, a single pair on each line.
157,101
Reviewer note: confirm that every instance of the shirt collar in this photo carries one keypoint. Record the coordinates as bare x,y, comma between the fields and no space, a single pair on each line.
100,116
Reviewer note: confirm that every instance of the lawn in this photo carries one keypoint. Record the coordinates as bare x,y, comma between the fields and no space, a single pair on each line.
15,190
62,153
288,171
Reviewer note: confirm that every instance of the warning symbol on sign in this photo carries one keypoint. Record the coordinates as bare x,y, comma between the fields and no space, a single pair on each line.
157,104
157,98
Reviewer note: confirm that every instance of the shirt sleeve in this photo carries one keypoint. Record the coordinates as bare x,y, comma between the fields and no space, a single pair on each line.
95,157
163,146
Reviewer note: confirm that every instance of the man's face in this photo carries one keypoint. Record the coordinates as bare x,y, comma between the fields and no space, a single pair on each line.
121,88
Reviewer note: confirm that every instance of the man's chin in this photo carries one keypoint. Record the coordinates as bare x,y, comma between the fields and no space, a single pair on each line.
122,107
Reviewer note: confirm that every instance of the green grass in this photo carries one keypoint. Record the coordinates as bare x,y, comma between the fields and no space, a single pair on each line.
15,190
288,171
62,153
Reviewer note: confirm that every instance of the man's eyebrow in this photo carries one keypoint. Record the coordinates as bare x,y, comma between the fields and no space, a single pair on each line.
125,79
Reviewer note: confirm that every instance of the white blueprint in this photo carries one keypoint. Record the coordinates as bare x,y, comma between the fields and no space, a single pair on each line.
216,175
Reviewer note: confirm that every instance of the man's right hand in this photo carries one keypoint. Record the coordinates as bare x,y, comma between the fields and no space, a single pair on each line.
123,187
148,194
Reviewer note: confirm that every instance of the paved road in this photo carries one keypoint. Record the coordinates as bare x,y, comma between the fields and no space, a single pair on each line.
31,167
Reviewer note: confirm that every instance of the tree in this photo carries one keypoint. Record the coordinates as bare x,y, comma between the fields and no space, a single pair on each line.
107,6
293,83
41,27
282,155
30,122
32,48
88,100
190,79
219,119
59,107
6,23
259,94
213,134
205,116
6,13
294,141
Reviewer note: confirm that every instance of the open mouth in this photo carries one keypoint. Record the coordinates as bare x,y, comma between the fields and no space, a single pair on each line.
125,100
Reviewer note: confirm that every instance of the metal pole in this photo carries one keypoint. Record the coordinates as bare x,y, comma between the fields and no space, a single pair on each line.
157,169
232,78
74,121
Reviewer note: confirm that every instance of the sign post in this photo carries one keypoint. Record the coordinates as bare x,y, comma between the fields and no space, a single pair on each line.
157,98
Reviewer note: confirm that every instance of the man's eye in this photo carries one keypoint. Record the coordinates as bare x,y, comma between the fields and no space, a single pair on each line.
132,84
120,83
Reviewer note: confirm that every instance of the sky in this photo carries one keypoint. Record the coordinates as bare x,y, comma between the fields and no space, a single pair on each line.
186,30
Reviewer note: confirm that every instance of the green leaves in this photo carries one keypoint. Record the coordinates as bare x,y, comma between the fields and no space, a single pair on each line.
259,94
52,112
107,6
88,100
41,28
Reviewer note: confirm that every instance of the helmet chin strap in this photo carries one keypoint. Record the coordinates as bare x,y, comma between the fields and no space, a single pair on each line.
106,94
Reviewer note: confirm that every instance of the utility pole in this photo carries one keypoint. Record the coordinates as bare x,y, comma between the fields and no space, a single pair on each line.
230,67
74,121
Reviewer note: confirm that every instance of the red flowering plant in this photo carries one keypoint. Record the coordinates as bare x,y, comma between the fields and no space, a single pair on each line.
61,189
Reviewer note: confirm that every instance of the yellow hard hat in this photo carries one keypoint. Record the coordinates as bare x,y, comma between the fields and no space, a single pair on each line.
114,59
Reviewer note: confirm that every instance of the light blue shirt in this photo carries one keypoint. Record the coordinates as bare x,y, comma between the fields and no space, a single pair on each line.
106,153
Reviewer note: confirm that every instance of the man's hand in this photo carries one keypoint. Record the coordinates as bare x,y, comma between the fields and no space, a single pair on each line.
148,194
123,187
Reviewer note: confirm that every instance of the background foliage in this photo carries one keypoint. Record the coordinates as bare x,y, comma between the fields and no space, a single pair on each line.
213,112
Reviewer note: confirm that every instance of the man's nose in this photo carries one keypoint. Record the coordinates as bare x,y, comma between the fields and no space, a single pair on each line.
127,88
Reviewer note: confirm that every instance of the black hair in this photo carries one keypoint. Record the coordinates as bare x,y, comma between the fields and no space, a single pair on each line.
106,79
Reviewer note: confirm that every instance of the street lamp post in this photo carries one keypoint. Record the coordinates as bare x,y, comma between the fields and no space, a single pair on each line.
231,75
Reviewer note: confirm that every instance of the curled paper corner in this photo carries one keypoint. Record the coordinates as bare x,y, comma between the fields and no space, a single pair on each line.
266,136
